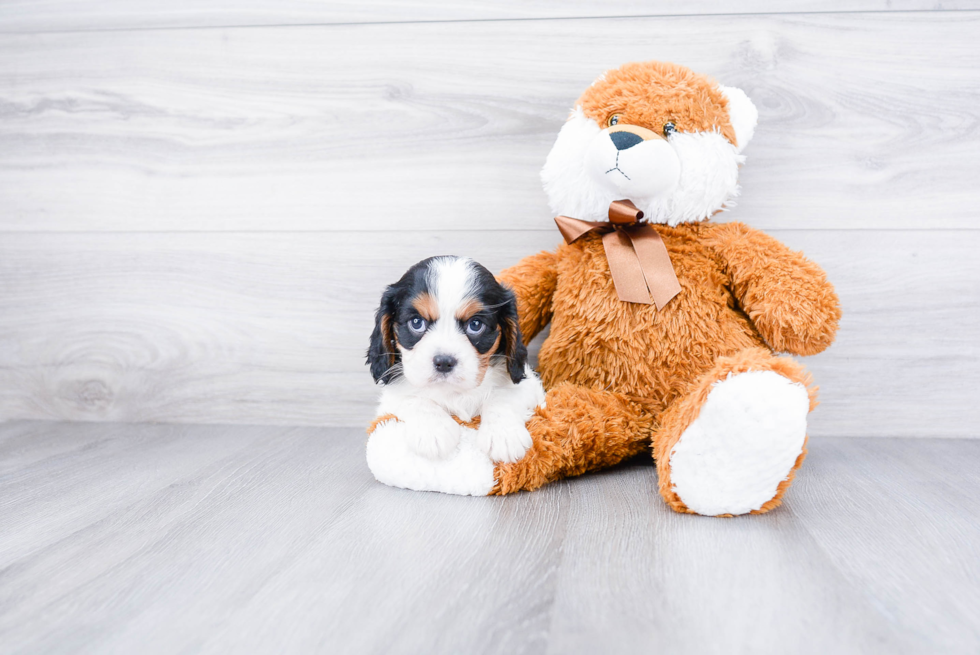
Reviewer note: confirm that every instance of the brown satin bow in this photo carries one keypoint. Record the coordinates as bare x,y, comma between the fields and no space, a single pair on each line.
638,259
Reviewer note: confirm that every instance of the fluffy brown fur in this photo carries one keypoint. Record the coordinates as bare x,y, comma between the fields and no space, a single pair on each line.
579,430
622,377
650,94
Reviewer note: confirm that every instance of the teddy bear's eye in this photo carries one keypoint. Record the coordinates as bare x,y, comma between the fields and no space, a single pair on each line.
669,128
613,120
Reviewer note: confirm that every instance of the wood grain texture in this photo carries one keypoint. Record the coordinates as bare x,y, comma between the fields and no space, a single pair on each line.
162,539
756,586
68,15
446,125
922,543
195,224
272,328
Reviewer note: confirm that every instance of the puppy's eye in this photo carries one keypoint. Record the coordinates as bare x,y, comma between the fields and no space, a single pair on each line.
475,327
669,128
417,325
613,120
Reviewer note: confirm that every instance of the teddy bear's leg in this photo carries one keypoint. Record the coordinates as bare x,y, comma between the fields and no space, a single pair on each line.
732,443
578,430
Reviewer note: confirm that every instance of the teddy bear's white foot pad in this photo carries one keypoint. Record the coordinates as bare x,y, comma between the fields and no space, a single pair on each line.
468,471
744,442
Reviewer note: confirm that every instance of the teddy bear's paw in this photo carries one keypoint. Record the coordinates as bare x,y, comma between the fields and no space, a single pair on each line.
744,442
505,440
436,437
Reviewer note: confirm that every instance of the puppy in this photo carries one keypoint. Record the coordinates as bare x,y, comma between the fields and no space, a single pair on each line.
446,343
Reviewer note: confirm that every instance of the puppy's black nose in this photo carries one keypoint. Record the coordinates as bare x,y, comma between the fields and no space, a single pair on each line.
624,140
444,363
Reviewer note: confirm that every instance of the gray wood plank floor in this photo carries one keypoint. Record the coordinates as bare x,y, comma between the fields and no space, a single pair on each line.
149,538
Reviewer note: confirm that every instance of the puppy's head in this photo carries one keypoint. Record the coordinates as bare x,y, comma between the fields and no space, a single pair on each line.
445,323
655,133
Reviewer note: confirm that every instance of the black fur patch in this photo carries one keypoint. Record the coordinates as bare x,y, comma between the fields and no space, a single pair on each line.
500,313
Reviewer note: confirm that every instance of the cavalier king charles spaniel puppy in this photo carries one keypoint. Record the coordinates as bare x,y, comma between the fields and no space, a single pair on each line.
446,345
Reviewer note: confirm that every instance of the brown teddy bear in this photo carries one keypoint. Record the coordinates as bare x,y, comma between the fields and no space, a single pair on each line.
664,324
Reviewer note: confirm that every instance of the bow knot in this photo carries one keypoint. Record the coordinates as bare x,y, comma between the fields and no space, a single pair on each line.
638,259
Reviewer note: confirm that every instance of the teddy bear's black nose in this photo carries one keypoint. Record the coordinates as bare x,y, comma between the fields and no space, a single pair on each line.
624,140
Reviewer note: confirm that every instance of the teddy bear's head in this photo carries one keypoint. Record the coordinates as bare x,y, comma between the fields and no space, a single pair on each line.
655,133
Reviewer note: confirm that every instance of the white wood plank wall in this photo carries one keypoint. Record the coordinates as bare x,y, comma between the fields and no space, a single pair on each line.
200,204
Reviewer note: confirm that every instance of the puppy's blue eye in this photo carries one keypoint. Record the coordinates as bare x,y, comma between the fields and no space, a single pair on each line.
417,325
475,327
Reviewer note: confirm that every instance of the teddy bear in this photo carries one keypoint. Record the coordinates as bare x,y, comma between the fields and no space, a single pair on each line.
669,332
686,367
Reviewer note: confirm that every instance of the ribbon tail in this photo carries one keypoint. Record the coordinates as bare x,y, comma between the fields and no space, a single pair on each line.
627,274
573,229
654,261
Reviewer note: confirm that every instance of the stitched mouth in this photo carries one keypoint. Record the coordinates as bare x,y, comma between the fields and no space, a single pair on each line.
620,172
616,168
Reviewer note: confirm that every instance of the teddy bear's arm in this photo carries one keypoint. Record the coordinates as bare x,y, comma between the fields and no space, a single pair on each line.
533,280
787,296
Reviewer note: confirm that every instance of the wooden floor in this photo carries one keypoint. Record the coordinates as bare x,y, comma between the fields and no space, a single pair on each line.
120,538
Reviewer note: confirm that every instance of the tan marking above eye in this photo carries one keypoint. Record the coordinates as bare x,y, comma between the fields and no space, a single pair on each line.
427,307
468,309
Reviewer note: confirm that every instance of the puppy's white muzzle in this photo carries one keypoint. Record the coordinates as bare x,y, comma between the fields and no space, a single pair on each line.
648,169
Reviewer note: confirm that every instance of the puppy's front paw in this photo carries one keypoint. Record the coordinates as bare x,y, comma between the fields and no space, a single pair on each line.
508,440
435,438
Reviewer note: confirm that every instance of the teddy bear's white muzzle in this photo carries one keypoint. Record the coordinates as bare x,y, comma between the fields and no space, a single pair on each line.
631,167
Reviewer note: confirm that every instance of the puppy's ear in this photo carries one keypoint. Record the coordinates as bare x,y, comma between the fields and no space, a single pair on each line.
511,341
382,353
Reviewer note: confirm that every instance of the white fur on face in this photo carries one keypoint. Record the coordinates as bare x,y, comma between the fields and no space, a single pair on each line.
647,170
451,282
685,179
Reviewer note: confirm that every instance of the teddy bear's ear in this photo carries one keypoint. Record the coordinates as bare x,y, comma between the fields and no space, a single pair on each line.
742,114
